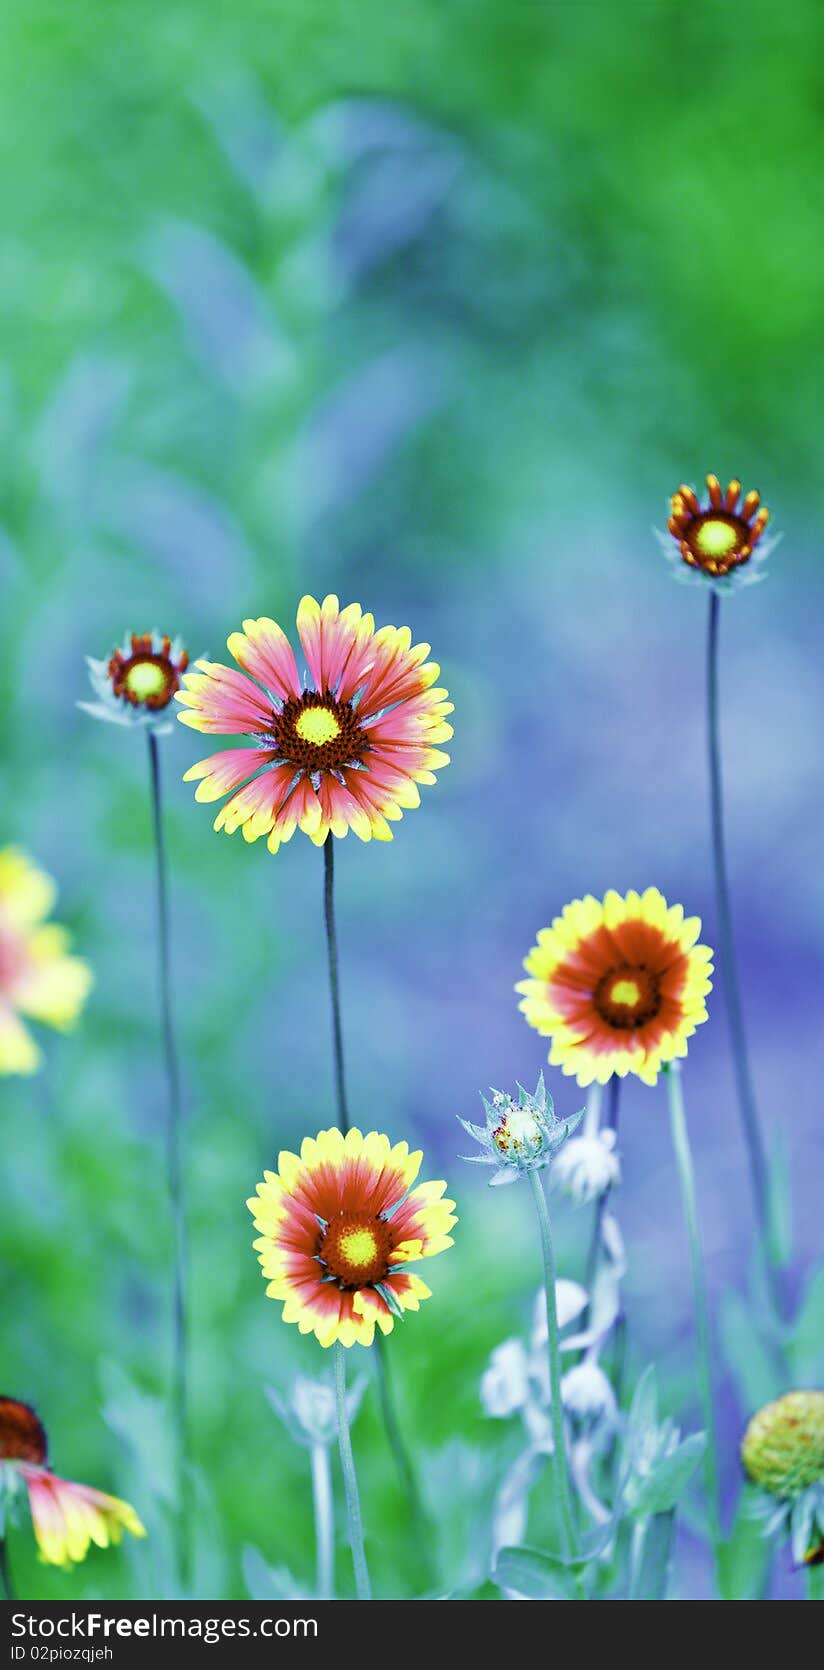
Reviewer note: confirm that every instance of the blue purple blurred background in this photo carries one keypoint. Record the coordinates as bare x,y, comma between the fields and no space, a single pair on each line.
432,310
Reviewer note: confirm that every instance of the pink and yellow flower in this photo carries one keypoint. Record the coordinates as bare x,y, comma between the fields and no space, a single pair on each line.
338,1226
38,978
618,985
67,1517
344,747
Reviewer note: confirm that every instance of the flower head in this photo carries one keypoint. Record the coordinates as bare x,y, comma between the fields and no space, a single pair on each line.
137,682
587,1395
587,1167
38,978
783,1446
783,1453
66,1517
618,985
344,746
519,1136
309,1410
721,541
516,1378
338,1226
505,1382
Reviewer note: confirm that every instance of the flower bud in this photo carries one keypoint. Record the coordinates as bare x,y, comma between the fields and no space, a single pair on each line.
783,1446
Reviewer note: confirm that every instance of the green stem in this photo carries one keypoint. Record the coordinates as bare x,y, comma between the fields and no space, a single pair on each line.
174,1173
324,1521
5,1571
420,1519
638,1538
815,1582
748,1110
334,979
350,1483
559,1456
686,1177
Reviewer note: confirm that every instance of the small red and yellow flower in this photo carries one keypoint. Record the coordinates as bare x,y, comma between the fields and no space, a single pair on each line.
720,536
338,1226
618,985
343,748
147,674
38,978
137,682
67,1518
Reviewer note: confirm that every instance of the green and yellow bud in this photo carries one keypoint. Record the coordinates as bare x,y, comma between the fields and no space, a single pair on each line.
783,1446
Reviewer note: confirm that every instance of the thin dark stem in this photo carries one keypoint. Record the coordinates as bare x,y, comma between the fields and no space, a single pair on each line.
334,981
610,1124
5,1572
180,1392
726,947
390,1419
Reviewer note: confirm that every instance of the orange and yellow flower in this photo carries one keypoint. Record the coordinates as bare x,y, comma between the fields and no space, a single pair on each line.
38,978
67,1517
618,985
338,1226
344,747
721,541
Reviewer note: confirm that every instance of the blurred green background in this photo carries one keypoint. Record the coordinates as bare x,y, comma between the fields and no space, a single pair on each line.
432,310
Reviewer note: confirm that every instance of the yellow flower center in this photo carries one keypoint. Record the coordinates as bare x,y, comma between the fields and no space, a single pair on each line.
625,991
146,678
359,1247
715,538
317,725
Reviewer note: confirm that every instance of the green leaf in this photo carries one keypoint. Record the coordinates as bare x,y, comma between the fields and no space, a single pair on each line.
649,1581
265,1582
534,1574
807,1345
141,1421
745,1351
482,1591
744,1558
643,1414
660,1490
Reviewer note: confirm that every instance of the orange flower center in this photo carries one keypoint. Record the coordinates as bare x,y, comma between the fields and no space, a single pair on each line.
316,733
628,996
355,1248
22,1437
717,541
